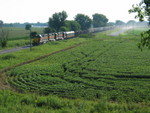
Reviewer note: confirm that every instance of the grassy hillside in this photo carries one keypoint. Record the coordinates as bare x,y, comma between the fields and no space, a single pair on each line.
101,75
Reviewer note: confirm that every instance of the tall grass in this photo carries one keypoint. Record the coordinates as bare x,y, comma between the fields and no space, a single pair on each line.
32,103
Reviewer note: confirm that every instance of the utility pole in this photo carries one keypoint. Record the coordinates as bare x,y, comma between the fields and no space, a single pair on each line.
28,27
30,40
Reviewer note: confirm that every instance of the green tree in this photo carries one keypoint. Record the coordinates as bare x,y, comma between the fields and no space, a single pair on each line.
28,27
3,35
64,28
84,21
57,20
72,25
33,34
49,30
119,22
142,11
99,20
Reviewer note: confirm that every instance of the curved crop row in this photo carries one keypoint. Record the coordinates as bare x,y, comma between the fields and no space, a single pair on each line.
99,68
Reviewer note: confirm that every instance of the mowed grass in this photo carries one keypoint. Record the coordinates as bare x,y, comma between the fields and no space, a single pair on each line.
111,67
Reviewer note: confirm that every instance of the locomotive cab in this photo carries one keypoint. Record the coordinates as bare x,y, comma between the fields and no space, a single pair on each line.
36,39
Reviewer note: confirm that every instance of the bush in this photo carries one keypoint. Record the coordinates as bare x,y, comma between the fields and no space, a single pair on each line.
3,43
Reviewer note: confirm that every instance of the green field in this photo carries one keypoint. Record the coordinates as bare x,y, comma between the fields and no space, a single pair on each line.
101,74
20,32
18,36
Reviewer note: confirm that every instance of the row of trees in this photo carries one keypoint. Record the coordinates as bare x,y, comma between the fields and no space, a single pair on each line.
58,22
24,24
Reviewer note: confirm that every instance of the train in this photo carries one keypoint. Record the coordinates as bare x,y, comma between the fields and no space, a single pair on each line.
44,38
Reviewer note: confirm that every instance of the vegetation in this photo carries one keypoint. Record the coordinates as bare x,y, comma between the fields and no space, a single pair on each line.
119,22
104,74
22,25
100,74
84,21
3,35
19,33
18,37
57,20
11,102
99,20
48,30
36,52
143,11
28,27
91,71
73,25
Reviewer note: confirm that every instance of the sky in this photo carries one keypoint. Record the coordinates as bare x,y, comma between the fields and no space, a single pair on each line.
21,11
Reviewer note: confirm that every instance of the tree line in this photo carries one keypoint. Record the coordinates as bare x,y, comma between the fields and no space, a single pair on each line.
23,24
58,22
